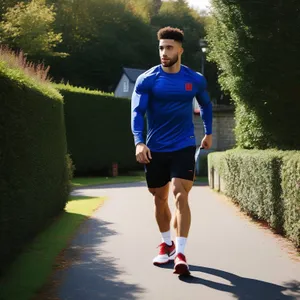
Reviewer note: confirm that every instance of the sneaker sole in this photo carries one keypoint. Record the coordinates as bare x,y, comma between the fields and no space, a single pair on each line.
181,269
171,257
161,264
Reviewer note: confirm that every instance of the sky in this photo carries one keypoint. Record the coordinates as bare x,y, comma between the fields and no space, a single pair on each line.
202,4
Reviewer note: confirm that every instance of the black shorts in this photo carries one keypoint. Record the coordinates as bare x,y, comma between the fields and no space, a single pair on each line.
167,165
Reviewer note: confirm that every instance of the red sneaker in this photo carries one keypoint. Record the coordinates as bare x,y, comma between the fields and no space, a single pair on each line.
165,254
181,267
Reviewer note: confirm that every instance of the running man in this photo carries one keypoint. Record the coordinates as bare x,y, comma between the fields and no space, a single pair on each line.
165,94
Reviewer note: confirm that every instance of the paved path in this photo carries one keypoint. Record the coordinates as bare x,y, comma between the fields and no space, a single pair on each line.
230,257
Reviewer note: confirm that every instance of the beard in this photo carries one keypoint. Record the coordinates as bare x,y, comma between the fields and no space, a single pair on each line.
170,62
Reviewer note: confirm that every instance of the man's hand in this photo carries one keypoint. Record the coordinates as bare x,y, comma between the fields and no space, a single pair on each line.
142,154
207,141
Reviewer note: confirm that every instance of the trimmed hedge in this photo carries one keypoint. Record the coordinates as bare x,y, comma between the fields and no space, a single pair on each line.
255,45
98,131
266,184
290,173
252,179
34,166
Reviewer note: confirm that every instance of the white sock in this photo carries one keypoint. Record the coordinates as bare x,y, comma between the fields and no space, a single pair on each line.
180,244
166,237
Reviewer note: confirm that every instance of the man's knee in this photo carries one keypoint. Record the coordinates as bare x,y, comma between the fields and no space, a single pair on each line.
181,198
180,191
160,195
152,191
181,187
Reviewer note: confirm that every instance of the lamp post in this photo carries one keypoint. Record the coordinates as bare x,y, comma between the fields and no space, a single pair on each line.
203,46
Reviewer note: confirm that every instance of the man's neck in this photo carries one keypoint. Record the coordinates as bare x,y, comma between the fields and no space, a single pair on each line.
173,69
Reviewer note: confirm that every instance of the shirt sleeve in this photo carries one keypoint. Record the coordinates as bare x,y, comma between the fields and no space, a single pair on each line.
139,104
205,105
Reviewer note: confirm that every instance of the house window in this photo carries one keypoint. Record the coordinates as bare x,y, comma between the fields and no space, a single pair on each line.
126,86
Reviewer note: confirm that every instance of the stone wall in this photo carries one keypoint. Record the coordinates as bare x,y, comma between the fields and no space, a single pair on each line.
223,126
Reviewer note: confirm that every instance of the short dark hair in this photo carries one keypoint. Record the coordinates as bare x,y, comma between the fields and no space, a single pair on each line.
170,33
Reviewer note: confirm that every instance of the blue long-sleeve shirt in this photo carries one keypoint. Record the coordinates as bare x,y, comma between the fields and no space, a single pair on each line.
167,100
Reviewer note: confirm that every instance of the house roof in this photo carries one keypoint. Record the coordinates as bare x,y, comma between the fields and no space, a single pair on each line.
133,74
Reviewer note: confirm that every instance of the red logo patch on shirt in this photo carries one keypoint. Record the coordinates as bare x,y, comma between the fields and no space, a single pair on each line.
188,86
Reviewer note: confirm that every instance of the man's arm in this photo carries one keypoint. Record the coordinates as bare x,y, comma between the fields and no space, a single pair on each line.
139,104
205,111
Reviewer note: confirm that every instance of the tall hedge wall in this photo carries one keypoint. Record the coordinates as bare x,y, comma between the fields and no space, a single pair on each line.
290,174
98,131
255,45
34,167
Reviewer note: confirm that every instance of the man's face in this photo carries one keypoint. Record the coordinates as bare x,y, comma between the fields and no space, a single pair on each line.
169,51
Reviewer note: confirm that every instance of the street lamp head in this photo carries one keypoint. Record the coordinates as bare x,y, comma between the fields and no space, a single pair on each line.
203,45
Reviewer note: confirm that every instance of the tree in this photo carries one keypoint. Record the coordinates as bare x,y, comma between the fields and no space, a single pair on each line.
116,38
147,9
102,36
29,27
255,44
156,7
5,4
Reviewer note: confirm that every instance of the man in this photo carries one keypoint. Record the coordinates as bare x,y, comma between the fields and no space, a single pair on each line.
165,93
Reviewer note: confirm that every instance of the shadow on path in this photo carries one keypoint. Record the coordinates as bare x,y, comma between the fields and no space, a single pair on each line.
91,273
243,288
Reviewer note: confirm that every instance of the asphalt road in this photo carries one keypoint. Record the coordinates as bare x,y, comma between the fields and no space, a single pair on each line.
230,256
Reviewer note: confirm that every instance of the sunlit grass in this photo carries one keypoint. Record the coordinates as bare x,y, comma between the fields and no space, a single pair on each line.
31,270
16,67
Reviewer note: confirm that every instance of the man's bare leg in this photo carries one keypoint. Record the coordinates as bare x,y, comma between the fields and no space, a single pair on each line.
182,218
162,210
182,222
163,218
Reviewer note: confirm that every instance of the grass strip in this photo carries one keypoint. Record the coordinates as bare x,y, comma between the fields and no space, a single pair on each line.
87,181
32,268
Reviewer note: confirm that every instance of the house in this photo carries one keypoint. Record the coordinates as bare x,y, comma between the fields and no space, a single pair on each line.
126,84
